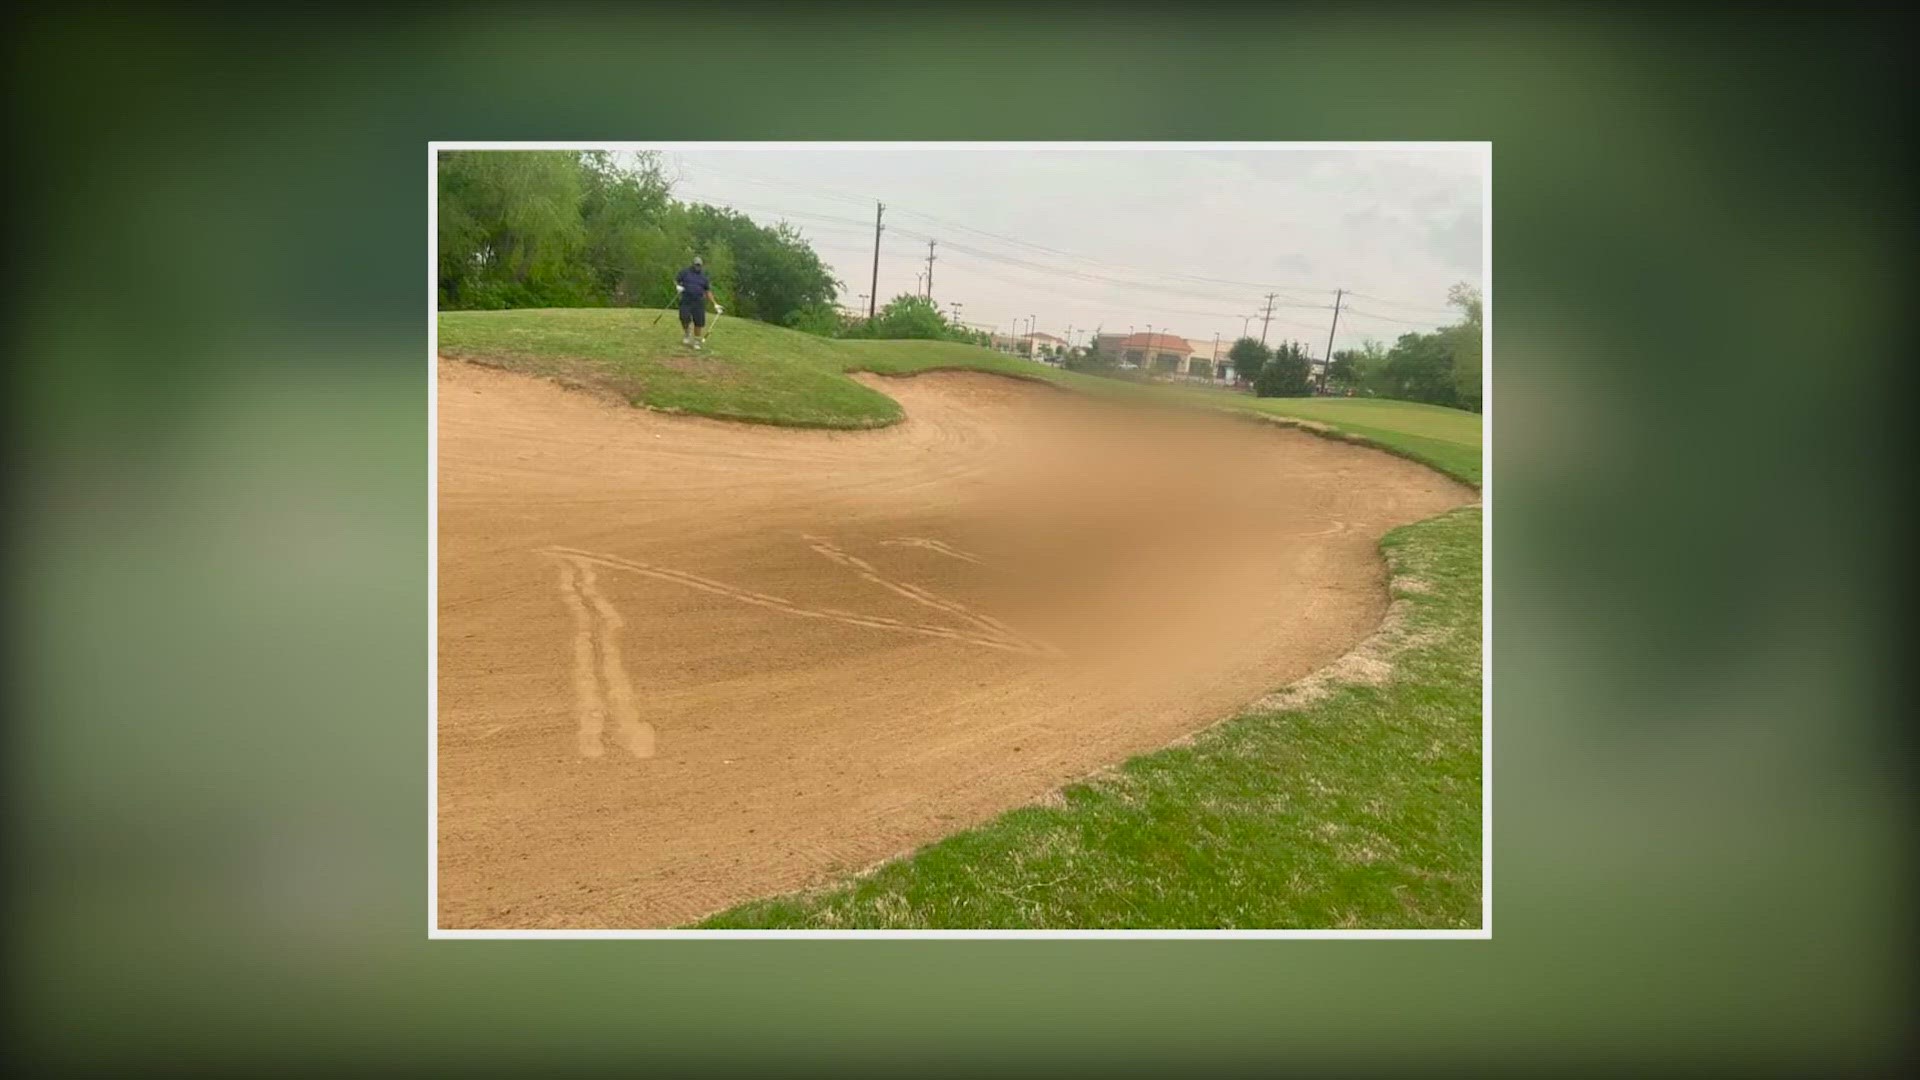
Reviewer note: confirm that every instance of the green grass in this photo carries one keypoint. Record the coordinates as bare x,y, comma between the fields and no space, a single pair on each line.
1360,810
765,374
752,372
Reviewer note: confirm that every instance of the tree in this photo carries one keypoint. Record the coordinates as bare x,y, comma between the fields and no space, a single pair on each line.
510,228
570,229
773,270
1248,357
1464,344
1287,373
823,320
1420,368
633,246
1358,369
723,272
1092,358
907,315
1343,371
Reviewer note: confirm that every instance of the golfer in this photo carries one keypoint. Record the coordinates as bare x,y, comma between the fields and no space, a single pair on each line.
694,289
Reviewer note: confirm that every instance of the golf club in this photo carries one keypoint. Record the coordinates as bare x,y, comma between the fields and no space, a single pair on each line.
663,311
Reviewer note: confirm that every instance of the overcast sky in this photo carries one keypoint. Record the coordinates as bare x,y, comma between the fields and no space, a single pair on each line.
1186,238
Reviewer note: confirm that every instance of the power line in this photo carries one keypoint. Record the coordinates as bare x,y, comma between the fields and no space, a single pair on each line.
1417,309
1173,275
1055,273
1088,259
1385,318
848,226
825,193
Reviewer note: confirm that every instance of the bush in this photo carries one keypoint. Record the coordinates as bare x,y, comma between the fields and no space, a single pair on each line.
906,316
1248,357
821,320
1286,374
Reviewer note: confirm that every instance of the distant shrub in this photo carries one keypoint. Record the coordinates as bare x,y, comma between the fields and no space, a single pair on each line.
1286,374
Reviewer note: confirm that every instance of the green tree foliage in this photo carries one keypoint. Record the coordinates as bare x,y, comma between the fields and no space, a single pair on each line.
821,319
1248,357
766,273
1369,367
1343,371
1286,373
1358,369
909,316
510,228
1464,343
1440,368
1092,359
1420,368
567,229
634,245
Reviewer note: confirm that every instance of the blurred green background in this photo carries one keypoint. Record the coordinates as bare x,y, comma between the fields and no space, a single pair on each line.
219,583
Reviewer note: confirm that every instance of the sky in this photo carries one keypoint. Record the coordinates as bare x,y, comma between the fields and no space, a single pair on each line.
1186,238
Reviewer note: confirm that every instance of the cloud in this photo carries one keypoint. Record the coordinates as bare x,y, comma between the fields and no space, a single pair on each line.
1456,244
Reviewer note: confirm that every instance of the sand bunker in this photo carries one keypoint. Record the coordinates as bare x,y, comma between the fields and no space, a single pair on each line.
686,663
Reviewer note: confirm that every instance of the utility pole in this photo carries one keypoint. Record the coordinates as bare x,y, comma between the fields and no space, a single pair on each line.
929,269
1265,319
1328,366
873,298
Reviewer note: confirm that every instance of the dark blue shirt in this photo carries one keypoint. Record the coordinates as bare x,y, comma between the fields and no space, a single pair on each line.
697,284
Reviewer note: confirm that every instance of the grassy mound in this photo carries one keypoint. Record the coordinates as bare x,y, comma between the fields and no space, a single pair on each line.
751,371
769,375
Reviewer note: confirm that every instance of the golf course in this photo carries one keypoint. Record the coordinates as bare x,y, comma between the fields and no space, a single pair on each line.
802,632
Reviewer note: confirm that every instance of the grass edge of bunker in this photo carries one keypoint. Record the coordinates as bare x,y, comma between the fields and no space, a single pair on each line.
772,375
1358,808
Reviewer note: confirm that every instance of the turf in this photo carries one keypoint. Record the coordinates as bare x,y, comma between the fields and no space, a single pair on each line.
765,374
1360,810
750,371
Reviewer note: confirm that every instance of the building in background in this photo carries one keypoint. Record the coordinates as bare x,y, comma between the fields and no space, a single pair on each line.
1041,346
1160,354
1108,344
